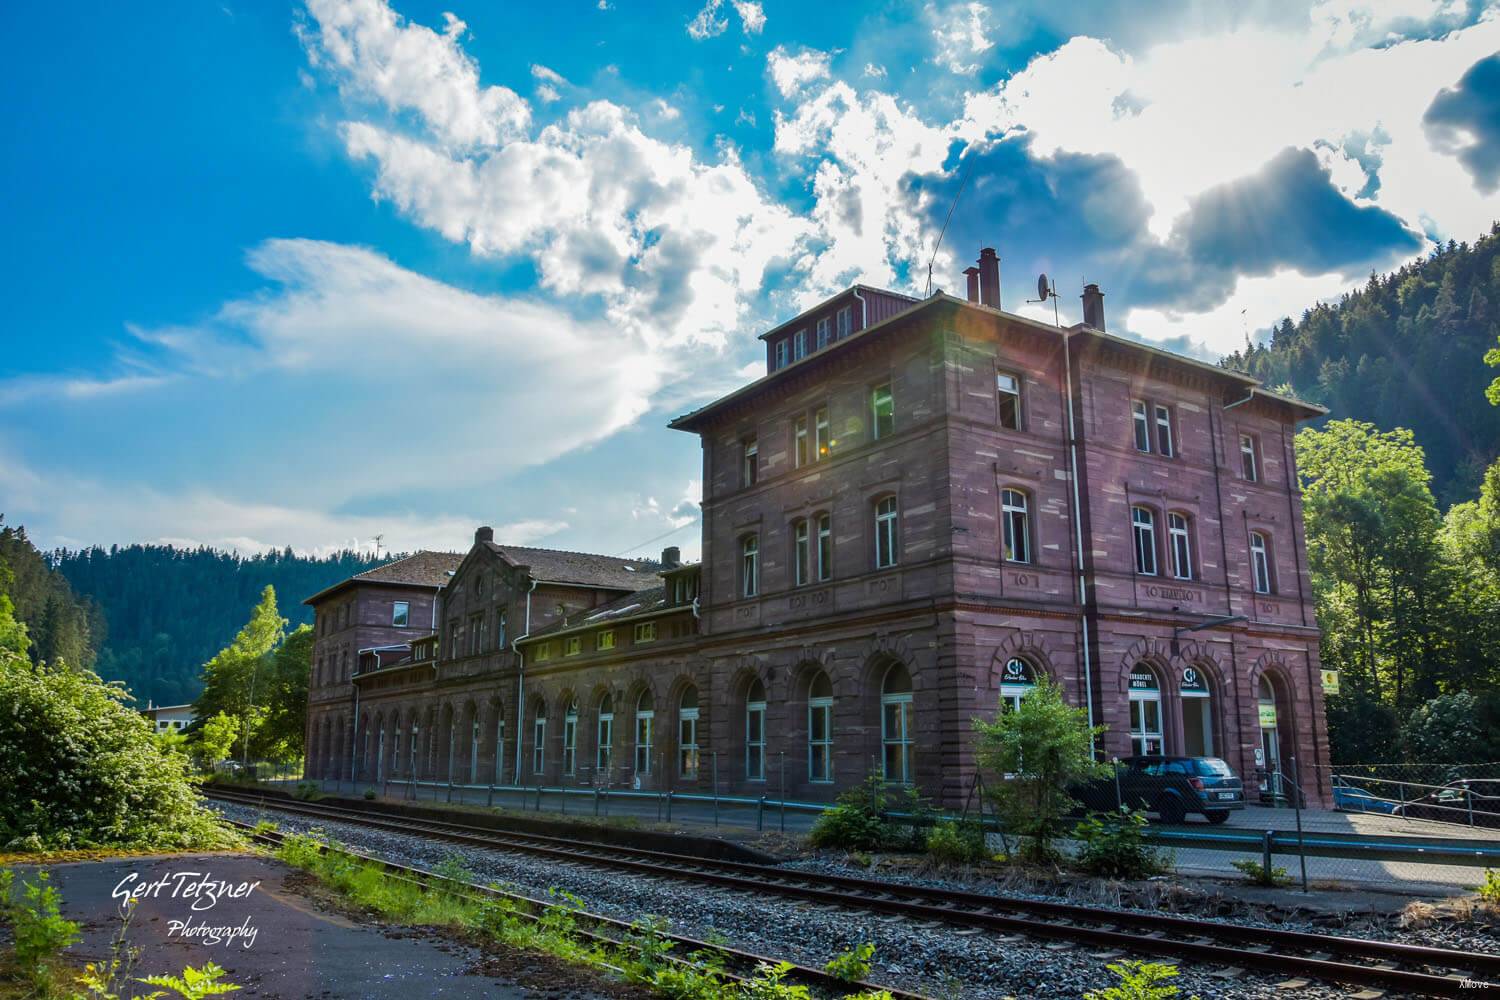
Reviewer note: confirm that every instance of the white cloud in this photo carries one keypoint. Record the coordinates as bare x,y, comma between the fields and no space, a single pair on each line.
790,73
548,93
707,23
1255,304
958,32
874,72
752,16
374,52
547,75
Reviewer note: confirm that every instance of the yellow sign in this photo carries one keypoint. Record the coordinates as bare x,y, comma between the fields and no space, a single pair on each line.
1330,682
1267,715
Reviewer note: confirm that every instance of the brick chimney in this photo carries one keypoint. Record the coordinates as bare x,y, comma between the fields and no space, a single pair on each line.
484,534
671,557
972,273
989,278
1093,307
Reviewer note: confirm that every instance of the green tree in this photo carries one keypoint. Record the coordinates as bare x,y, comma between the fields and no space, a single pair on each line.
235,680
1038,751
217,736
280,737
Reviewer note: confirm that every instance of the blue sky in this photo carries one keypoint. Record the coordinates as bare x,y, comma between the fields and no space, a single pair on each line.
302,273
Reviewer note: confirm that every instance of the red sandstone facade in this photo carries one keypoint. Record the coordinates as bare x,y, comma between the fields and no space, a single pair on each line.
923,507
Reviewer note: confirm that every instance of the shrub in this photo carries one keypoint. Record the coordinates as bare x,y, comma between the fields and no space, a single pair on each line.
1490,890
1257,873
1114,844
1041,748
307,791
957,843
80,768
1138,981
39,932
194,984
369,795
859,819
853,965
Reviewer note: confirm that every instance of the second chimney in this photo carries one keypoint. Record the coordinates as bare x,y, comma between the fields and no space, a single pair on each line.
989,278
485,534
1093,307
972,273
671,557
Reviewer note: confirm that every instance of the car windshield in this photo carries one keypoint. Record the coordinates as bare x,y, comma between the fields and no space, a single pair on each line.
1213,767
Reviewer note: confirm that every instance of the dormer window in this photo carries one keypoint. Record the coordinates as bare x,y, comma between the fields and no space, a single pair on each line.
845,322
799,345
825,332
779,354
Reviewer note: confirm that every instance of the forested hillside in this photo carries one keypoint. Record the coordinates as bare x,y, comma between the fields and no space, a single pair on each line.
1405,351
61,626
166,611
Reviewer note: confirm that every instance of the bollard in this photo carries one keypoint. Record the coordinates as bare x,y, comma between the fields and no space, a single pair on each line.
489,799
450,790
538,797
669,805
596,800
760,814
1265,852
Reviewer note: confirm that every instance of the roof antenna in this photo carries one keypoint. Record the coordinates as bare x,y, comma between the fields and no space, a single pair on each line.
1047,289
377,547
968,169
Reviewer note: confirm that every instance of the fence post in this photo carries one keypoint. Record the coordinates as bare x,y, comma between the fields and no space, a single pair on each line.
1469,797
1265,852
1119,798
1297,806
450,788
760,814
596,800
782,755
716,789
489,798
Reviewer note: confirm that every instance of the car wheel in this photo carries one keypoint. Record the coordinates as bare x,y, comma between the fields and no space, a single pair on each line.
1216,816
1171,811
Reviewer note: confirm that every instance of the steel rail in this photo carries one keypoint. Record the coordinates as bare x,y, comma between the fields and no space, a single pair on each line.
1229,945
424,879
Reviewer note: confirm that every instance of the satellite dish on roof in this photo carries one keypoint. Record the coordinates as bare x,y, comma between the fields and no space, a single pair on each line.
1042,288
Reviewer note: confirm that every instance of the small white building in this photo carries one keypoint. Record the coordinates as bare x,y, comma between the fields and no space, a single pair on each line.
168,718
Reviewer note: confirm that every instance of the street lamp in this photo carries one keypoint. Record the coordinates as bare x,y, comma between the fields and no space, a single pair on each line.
1177,630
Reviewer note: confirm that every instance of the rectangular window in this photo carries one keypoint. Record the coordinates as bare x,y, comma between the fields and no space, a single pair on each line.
749,462
1248,465
825,547
896,738
538,745
476,633
687,743
1008,395
1164,432
820,739
799,442
750,566
604,748
1143,525
1182,546
455,632
544,652
755,741
799,345
801,553
573,645
605,639
846,322
1015,526
1260,563
825,332
882,411
500,630
1142,425
644,723
822,438
780,353
645,632
400,614
570,743
886,534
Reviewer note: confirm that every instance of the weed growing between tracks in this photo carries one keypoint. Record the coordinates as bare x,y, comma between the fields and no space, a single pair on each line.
642,957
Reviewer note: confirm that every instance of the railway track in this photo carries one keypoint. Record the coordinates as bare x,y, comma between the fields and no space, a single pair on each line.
738,966
1233,948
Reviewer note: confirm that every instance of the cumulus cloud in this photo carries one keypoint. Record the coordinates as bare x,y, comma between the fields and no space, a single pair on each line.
711,22
1464,121
790,73
960,35
752,16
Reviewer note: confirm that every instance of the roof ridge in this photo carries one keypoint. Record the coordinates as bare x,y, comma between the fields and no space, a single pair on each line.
574,552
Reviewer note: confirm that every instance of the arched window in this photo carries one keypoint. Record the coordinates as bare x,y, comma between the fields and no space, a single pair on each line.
1015,519
604,756
820,728
1016,681
1260,563
896,725
755,732
1181,545
801,552
1145,713
415,742
750,566
1197,713
645,717
825,547
887,533
396,747
499,748
474,749
1143,525
687,734
539,739
380,755
1270,741
570,738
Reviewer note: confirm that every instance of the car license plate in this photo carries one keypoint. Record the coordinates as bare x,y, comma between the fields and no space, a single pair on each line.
1226,795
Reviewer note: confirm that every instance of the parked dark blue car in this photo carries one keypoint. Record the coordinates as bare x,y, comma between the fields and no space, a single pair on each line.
1171,787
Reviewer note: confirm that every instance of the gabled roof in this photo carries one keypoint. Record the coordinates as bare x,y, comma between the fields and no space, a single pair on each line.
585,569
420,569
830,301
625,608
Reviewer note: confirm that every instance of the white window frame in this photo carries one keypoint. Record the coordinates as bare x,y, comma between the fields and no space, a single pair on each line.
750,565
1008,386
416,732
539,743
645,724
801,552
500,750
845,322
1143,535
1015,517
570,739
573,645
779,353
400,614
1249,459
755,748
824,332
1164,443
749,461
1180,544
687,739
887,532
604,639
822,439
882,394
473,749
820,750
799,345
604,737
1141,420
825,547
901,741
645,632
800,441
1260,563
1141,735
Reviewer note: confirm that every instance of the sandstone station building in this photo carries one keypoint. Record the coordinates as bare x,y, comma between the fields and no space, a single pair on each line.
920,509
